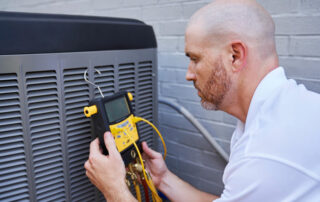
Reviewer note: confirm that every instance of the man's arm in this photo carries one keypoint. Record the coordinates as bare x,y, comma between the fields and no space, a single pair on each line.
168,183
178,190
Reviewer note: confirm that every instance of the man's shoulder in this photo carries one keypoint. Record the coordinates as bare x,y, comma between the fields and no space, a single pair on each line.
292,93
255,177
286,128
291,103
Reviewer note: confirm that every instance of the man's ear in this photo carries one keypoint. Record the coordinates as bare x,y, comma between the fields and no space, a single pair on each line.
239,55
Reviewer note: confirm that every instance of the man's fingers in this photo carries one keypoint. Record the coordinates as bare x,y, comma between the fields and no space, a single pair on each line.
110,143
149,152
90,176
87,165
94,147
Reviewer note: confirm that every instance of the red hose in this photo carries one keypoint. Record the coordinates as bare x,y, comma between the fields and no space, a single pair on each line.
146,192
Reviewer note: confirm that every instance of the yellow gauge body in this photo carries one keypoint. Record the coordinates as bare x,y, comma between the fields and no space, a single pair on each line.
121,132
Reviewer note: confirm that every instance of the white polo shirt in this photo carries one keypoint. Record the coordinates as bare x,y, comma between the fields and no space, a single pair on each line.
275,156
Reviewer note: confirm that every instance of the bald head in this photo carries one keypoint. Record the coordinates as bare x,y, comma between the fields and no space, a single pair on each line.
231,48
245,20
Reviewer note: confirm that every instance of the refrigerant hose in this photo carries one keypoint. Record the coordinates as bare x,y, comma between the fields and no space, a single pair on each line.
198,125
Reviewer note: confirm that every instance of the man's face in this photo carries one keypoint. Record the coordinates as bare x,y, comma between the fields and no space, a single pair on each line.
207,71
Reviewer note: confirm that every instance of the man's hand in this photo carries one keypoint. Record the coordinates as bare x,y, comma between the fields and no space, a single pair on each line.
154,164
108,173
167,182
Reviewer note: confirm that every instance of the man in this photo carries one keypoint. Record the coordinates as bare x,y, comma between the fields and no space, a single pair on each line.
234,66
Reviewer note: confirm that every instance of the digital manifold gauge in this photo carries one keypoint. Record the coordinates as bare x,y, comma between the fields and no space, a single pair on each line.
114,113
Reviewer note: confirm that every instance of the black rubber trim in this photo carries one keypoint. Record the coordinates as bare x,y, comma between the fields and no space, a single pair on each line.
29,33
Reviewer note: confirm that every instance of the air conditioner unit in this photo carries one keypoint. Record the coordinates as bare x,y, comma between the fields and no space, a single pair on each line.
44,135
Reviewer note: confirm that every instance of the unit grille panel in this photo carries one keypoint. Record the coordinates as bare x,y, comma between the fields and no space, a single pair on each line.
105,80
76,94
145,101
127,79
44,135
44,123
13,171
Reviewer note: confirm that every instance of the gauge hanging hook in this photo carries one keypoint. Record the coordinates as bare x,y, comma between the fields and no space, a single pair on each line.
85,78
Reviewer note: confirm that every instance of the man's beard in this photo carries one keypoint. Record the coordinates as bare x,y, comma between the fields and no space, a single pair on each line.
216,87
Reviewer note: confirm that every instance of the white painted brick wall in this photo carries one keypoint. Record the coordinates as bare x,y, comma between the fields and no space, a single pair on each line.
280,7
189,155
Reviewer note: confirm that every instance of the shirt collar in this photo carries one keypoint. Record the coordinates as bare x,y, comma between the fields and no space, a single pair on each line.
269,84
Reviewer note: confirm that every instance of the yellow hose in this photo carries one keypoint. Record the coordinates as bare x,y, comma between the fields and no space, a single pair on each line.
150,184
138,119
137,188
155,196
136,185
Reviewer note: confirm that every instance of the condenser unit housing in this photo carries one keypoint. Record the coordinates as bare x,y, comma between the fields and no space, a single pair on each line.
44,135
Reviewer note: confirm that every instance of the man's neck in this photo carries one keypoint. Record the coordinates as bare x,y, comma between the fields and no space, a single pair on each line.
239,106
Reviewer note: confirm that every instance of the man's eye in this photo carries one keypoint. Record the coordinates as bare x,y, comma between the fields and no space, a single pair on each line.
194,59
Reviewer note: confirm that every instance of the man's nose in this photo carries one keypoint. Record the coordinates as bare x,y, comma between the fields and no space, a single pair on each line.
190,76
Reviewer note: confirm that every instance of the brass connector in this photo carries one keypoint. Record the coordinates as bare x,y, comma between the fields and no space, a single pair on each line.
128,183
138,167
133,153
